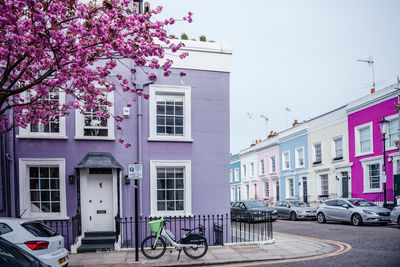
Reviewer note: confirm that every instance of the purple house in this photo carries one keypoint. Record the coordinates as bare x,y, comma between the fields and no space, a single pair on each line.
366,146
76,170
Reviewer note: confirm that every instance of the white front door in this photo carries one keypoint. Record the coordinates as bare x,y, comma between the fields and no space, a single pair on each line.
100,202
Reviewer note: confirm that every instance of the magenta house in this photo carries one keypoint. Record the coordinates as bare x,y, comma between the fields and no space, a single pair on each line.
75,172
366,146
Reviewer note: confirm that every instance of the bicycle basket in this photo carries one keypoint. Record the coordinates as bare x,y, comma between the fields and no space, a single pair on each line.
156,225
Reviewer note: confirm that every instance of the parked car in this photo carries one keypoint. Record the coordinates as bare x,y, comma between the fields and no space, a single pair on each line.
395,215
295,209
13,256
354,210
35,238
252,211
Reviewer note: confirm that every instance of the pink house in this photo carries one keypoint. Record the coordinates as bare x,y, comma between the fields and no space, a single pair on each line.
268,170
366,145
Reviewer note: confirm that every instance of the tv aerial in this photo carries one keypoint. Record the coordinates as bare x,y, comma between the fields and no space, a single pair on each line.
370,62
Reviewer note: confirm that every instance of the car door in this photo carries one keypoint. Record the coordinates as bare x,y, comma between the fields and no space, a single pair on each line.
342,213
285,209
330,209
278,207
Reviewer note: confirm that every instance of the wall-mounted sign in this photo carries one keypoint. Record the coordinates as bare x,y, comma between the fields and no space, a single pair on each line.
135,171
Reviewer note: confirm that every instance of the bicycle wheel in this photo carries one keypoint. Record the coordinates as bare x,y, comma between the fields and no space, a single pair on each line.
197,250
152,251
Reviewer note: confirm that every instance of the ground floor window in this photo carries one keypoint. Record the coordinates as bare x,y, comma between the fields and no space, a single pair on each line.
372,172
290,187
171,187
42,188
247,191
324,185
239,191
266,189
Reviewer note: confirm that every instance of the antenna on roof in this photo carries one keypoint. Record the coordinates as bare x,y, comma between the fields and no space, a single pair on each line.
370,62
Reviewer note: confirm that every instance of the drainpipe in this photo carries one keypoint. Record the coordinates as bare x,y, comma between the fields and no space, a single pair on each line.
16,177
3,170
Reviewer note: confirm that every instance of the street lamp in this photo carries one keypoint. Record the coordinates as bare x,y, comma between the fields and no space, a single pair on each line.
384,124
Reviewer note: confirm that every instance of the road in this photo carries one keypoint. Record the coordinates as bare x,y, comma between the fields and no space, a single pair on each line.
371,245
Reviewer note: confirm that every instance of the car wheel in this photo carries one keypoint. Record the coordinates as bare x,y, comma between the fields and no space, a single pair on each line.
356,220
293,216
321,218
398,220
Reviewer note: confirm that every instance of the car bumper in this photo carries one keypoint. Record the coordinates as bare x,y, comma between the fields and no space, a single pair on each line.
394,218
55,258
264,217
311,215
377,219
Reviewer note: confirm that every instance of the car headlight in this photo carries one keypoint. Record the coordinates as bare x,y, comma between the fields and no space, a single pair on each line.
274,212
299,210
369,212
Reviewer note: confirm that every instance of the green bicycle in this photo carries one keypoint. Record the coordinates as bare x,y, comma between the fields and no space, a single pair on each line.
193,244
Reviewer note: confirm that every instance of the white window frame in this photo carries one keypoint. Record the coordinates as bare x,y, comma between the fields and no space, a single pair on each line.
239,192
231,176
365,163
272,167
236,175
319,183
232,193
392,119
357,139
287,152
186,164
314,153
244,171
80,118
252,169
266,186
262,166
333,147
296,154
26,132
25,207
247,191
184,91
288,195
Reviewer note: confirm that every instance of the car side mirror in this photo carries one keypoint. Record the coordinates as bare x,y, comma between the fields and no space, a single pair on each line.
345,206
287,206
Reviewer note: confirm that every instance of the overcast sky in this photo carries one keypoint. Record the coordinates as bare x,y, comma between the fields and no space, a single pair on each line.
300,55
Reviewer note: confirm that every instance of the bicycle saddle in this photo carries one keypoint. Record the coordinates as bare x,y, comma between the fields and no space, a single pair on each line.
186,229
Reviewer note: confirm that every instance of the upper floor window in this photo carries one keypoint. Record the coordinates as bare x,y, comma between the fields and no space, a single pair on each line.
231,176
286,160
364,141
236,175
91,125
337,148
244,171
317,153
262,166
170,113
272,165
55,128
252,169
393,133
299,157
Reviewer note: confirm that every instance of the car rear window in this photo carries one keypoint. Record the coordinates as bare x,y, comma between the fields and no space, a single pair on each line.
39,229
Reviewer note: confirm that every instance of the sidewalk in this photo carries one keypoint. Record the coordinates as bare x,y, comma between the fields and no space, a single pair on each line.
284,247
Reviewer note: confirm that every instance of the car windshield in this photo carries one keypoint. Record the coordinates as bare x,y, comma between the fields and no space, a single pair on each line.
361,203
300,204
255,204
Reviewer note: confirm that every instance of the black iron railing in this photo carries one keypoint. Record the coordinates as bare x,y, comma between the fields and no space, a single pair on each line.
378,199
70,229
218,229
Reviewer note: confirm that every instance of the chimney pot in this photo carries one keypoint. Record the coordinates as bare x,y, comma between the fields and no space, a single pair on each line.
372,90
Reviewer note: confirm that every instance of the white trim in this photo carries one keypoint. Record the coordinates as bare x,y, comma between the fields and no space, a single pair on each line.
79,123
357,140
319,183
283,160
236,175
252,169
26,133
24,163
270,164
296,158
369,161
333,147
244,172
314,154
265,182
391,118
262,166
186,164
184,91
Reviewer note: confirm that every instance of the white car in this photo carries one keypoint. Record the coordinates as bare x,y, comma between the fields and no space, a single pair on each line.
395,215
35,238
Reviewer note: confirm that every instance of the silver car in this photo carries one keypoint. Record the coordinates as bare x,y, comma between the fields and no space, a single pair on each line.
395,215
354,210
295,209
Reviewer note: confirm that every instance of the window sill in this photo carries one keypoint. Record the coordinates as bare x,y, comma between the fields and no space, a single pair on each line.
63,137
170,139
322,196
337,160
97,138
167,214
378,190
364,154
44,217
272,173
317,163
299,167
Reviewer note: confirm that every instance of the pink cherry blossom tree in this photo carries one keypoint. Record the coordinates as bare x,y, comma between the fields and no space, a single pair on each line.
73,46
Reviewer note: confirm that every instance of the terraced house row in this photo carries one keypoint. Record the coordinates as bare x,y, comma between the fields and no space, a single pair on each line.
337,154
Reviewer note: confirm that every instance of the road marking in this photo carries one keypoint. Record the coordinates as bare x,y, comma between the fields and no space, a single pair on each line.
343,248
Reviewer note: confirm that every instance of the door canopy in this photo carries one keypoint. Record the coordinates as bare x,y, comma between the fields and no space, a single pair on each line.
97,160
